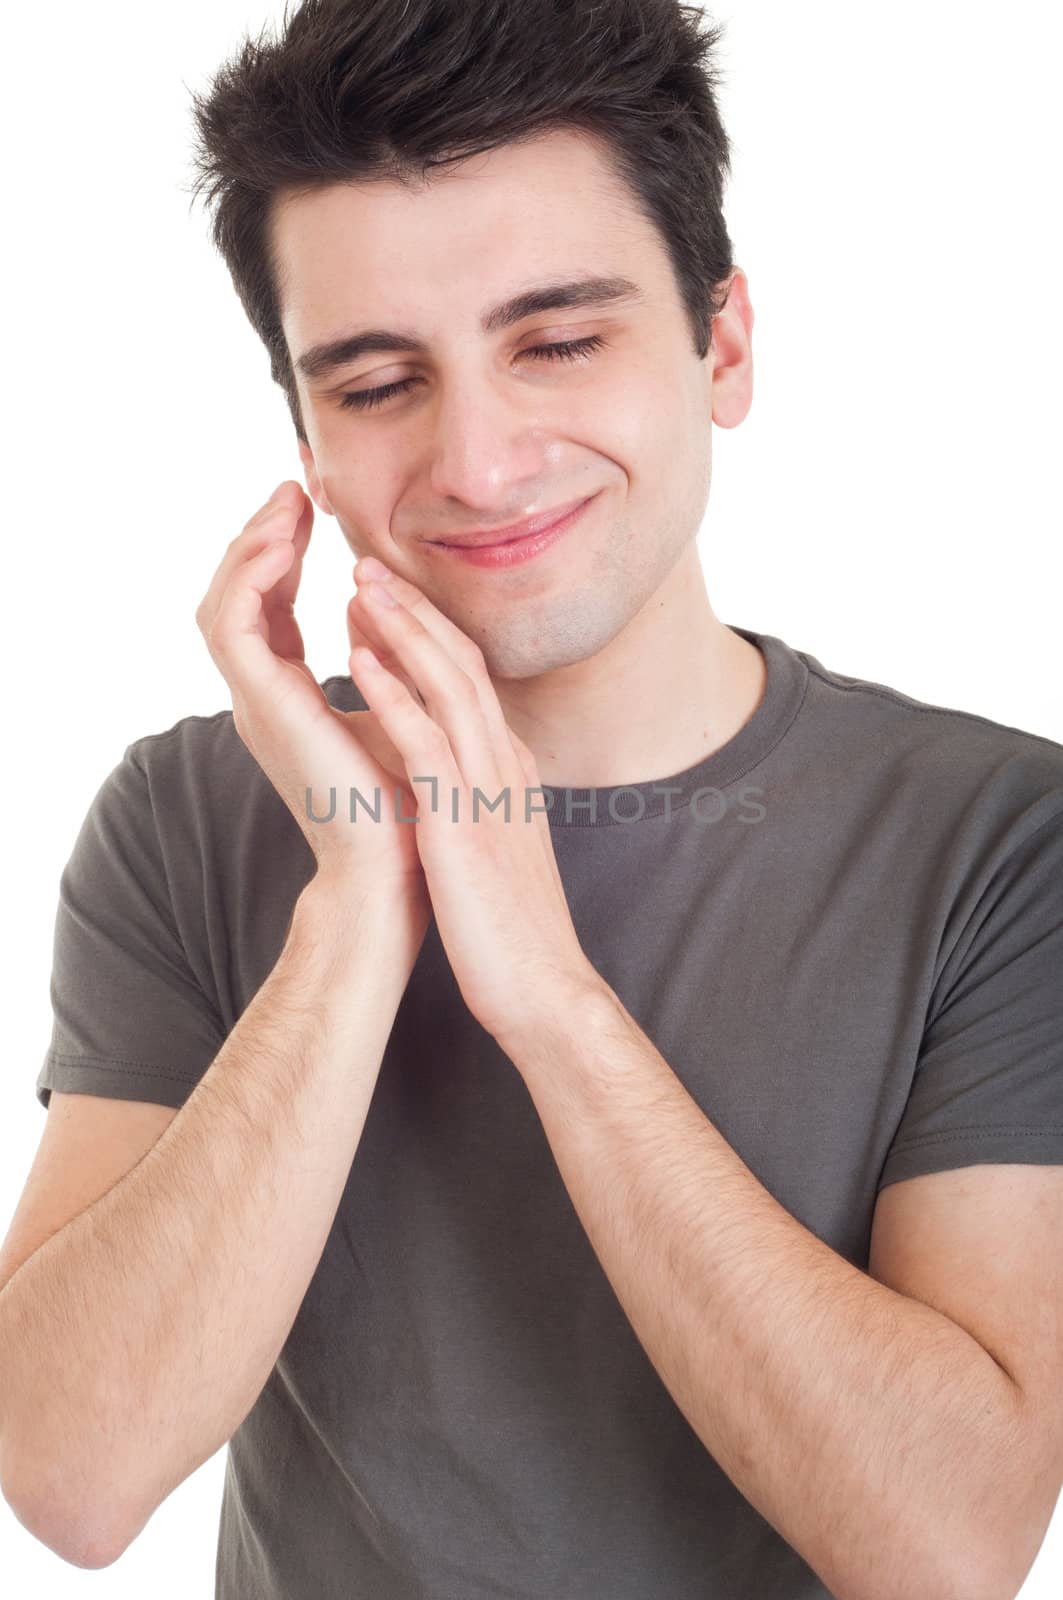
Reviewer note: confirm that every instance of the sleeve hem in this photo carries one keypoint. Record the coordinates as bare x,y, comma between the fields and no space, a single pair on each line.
973,1147
965,1135
114,1079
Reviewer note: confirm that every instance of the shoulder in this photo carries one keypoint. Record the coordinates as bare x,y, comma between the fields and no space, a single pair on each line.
200,736
200,767
939,764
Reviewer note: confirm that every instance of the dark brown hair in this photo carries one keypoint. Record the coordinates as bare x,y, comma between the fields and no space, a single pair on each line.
359,90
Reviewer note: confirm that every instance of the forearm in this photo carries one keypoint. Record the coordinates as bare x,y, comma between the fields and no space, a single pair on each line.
137,1338
872,1432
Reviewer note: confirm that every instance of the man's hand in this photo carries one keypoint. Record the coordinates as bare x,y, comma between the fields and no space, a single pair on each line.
495,889
247,619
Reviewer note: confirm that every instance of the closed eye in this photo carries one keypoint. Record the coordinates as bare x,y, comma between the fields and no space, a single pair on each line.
570,350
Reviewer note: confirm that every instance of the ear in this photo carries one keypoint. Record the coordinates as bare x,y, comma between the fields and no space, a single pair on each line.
313,482
731,355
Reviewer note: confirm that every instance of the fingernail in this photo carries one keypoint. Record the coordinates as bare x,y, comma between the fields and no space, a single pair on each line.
278,489
370,567
379,596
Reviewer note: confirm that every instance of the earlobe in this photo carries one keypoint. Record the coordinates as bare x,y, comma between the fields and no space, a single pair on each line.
314,485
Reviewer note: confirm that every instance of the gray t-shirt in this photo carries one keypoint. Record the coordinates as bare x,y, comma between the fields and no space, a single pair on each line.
844,933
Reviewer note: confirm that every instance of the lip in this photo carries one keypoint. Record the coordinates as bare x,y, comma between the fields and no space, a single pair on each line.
515,530
508,549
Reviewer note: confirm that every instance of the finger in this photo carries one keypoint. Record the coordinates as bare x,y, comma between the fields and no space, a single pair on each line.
356,636
272,520
463,650
285,637
236,642
419,740
528,763
450,695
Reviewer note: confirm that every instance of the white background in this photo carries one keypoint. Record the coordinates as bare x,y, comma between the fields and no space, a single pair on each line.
891,504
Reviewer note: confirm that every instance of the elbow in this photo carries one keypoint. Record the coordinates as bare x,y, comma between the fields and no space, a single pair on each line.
986,1580
980,1574
937,1571
1001,1578
90,1543
1008,1525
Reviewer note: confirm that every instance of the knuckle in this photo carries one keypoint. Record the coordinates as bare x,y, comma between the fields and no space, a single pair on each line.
254,522
244,546
386,657
461,695
472,659
215,636
270,512
437,743
235,548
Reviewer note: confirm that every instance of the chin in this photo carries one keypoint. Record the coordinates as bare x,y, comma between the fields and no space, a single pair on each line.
522,654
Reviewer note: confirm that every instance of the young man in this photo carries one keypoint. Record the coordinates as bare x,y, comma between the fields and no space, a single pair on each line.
626,1161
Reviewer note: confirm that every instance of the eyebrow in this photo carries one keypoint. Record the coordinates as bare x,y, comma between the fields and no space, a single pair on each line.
322,359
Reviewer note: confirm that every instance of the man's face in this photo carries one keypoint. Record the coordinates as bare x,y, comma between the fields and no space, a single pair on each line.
484,433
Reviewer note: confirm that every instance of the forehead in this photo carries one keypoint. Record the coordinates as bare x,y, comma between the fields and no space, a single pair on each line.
511,215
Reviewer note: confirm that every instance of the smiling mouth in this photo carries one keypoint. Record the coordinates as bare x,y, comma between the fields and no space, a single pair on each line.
518,530
506,555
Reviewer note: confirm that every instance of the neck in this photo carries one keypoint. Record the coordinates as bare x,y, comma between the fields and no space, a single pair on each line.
671,688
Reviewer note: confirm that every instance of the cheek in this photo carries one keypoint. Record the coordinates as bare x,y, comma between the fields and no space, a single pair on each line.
353,483
637,419
363,501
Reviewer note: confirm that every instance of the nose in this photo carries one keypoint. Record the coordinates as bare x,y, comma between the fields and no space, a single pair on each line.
490,451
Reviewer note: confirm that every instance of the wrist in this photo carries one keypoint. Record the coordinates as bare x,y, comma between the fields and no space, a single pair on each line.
569,1010
343,911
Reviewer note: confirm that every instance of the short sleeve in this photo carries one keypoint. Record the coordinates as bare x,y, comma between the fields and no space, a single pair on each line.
130,1020
988,1085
